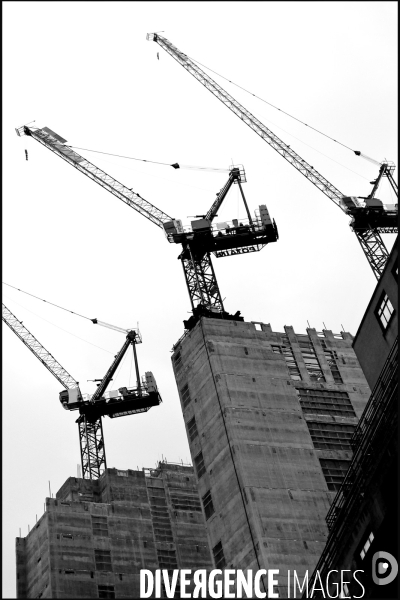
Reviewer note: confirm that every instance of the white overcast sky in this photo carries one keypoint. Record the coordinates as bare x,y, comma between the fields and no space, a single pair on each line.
85,70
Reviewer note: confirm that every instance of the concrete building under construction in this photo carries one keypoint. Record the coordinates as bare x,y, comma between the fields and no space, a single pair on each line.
96,535
269,417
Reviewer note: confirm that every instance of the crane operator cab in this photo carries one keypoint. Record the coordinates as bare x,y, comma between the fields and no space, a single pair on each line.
71,398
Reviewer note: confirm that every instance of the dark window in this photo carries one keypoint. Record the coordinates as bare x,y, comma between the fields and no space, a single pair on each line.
287,352
325,402
185,500
199,464
384,311
160,515
311,361
192,429
208,505
334,472
185,396
331,436
106,591
167,559
219,557
177,360
103,560
100,526
331,357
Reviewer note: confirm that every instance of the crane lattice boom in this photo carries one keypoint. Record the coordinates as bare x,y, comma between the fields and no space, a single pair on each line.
273,140
38,350
368,221
56,144
198,242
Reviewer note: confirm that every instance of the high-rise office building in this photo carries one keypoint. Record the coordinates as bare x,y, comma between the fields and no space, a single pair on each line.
96,535
269,417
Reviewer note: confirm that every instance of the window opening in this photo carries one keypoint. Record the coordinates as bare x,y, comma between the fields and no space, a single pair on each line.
106,591
192,429
185,396
167,559
208,505
103,560
367,545
331,356
100,526
199,464
219,557
334,472
291,363
177,360
384,311
325,402
311,361
185,500
160,515
331,436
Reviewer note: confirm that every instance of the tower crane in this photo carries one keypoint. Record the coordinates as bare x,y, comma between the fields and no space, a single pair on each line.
198,241
125,401
369,219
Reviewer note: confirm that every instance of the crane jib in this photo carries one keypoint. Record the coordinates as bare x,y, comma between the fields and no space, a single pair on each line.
290,155
47,359
374,249
52,141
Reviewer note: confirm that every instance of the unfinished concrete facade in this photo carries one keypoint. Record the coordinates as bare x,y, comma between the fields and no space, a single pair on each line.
96,535
269,417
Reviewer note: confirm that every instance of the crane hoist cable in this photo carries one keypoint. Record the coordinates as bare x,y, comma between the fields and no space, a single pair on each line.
356,152
94,321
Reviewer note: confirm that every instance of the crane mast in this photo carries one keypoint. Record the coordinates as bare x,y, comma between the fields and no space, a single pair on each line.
92,409
365,223
197,243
